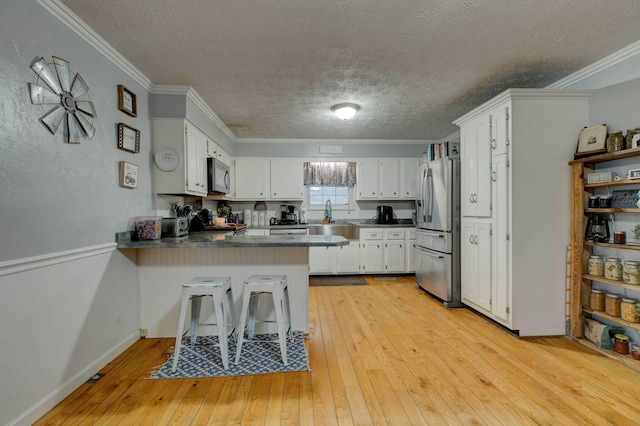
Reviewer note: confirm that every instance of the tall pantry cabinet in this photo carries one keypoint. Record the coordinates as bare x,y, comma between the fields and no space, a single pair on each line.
515,192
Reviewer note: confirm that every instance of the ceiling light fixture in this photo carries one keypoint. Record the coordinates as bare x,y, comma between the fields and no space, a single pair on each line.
345,111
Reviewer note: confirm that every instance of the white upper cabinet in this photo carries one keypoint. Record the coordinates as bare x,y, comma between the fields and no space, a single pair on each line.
252,178
408,171
475,155
286,180
367,179
180,157
389,178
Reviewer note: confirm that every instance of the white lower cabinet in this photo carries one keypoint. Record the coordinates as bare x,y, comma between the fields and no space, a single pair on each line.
382,251
476,258
410,249
335,260
257,232
394,250
371,251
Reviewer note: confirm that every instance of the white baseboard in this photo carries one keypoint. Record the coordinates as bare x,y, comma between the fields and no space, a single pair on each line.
61,392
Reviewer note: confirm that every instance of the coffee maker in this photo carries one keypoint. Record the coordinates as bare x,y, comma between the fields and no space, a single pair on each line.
384,215
288,215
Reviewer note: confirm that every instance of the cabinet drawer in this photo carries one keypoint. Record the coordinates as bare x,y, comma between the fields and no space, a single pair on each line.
392,234
370,234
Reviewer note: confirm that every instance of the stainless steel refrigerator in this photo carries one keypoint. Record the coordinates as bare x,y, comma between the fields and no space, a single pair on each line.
438,225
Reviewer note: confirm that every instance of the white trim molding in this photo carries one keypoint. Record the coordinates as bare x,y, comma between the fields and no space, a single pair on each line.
77,25
192,95
35,262
338,141
598,66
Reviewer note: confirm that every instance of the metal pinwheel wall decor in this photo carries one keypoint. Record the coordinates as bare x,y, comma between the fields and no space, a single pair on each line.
71,110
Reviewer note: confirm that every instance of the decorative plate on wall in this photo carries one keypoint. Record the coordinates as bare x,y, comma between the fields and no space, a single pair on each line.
64,99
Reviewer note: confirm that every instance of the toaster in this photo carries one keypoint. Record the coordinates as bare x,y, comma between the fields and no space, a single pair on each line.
175,226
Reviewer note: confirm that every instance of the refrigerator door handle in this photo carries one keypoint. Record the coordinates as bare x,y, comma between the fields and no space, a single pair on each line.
437,256
430,181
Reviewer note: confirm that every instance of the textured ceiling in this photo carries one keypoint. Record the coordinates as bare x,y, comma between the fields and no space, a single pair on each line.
273,68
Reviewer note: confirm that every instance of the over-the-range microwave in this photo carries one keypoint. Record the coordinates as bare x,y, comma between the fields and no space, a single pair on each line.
218,176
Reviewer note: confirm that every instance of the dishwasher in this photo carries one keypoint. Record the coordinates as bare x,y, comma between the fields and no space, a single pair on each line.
288,231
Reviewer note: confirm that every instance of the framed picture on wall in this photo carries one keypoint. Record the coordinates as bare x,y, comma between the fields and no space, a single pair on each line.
128,175
592,141
127,102
128,138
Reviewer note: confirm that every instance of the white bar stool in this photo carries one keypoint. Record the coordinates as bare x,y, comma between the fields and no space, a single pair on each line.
253,287
220,289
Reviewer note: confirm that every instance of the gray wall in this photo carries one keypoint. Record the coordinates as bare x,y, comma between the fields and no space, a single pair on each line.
56,196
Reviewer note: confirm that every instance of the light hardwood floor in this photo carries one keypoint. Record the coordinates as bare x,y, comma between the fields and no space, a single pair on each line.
385,353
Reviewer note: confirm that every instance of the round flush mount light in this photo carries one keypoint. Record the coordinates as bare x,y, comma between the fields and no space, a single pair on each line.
345,111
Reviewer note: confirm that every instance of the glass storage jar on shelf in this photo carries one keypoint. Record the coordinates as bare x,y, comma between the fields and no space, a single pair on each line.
612,304
597,300
613,269
615,142
628,139
631,272
596,266
628,310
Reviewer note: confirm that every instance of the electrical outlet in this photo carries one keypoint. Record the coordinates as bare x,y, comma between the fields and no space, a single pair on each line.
144,332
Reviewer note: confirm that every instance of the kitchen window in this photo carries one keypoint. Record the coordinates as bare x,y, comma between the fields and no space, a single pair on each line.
331,181
338,195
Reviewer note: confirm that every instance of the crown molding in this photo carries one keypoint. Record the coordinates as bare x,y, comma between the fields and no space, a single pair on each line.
77,25
598,66
194,97
337,141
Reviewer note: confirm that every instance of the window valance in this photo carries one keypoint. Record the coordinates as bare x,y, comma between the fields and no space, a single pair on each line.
330,173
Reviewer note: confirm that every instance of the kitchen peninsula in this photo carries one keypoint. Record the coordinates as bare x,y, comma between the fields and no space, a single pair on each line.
165,264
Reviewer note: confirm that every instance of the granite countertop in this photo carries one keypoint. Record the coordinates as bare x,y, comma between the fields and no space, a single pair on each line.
215,240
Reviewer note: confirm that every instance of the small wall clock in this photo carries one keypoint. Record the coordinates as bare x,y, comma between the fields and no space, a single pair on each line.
64,99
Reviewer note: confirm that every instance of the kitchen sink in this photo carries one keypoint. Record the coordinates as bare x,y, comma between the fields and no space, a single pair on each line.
350,232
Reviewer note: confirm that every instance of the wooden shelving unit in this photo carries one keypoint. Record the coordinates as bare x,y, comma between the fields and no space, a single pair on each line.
581,250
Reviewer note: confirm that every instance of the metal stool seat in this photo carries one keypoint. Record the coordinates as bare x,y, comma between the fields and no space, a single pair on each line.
219,288
253,287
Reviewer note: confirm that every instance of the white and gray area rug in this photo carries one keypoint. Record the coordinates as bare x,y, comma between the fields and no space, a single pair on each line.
261,357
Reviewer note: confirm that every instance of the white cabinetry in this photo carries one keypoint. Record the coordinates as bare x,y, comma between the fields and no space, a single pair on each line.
182,139
409,173
383,250
268,179
475,158
387,179
371,251
394,250
367,180
335,260
476,260
252,178
286,180
514,151
410,253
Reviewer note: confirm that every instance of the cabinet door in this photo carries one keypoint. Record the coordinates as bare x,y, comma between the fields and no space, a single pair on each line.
469,262
196,157
286,180
320,260
394,258
476,263
367,181
501,238
389,175
348,258
409,170
410,251
483,248
476,167
500,130
371,256
252,177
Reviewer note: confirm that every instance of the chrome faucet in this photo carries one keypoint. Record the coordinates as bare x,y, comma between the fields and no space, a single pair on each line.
327,211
